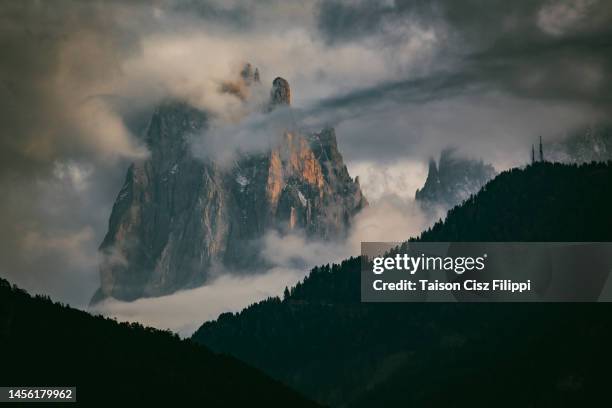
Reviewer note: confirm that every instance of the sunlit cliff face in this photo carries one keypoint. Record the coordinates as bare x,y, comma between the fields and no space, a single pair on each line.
180,219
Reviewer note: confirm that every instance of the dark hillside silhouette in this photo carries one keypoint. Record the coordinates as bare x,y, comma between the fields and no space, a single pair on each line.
322,341
49,344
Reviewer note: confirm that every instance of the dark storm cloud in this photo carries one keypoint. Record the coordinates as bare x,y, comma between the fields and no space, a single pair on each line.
237,15
535,49
578,68
417,90
36,39
475,21
340,21
574,70
400,79
343,20
502,73
59,174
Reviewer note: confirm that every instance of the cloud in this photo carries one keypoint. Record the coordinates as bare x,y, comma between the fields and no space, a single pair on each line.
498,45
292,256
255,133
557,17
297,252
77,176
52,226
400,80
57,60
183,312
98,62
390,219
399,178
491,126
70,243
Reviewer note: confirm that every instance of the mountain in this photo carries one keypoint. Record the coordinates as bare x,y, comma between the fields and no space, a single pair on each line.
321,340
452,180
178,216
49,344
545,202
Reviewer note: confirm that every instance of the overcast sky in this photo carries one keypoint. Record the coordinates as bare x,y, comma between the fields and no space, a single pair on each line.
399,80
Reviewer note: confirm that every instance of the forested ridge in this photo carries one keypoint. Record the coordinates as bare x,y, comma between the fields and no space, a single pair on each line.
110,363
321,340
543,202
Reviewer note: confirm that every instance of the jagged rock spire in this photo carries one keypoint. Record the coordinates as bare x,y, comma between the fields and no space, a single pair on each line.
204,213
281,93
452,180
433,170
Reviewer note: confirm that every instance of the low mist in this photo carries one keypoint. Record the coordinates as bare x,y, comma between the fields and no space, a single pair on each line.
391,218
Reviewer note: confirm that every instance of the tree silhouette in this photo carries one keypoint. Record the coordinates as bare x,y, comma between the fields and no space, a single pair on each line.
324,342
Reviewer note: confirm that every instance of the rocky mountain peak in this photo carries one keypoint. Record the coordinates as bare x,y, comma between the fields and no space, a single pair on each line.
177,216
432,174
281,93
452,180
